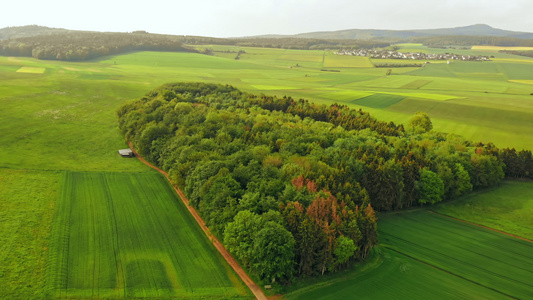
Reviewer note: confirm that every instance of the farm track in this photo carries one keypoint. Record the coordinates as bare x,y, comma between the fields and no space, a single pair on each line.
256,290
482,226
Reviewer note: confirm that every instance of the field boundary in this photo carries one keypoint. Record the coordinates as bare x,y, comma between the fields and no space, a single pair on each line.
256,290
482,226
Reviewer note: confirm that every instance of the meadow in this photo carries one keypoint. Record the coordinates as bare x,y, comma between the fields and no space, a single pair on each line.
59,130
507,208
27,207
429,256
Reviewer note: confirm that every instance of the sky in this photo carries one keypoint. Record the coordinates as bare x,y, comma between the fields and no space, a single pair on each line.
236,18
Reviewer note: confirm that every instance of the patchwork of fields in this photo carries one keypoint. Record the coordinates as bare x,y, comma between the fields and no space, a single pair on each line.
428,256
121,233
126,235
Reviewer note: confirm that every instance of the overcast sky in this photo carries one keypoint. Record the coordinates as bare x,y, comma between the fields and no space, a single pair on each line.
231,18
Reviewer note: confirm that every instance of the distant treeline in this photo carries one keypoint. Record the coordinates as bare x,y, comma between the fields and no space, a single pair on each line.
83,45
528,53
309,44
469,40
80,45
291,186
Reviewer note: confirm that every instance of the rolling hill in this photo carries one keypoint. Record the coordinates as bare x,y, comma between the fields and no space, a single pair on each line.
476,30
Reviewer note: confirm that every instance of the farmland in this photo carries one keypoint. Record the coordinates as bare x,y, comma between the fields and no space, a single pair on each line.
425,255
507,208
27,206
125,235
60,136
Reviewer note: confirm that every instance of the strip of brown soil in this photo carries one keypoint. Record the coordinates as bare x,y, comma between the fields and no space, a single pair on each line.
256,290
483,226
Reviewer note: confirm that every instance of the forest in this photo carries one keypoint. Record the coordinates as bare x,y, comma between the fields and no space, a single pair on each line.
291,187
70,45
469,40
82,45
527,53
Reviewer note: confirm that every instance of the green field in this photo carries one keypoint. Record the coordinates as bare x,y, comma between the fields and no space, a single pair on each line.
59,118
27,206
126,235
428,256
507,208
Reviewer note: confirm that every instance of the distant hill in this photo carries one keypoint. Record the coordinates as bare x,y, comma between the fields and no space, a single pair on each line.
473,30
28,31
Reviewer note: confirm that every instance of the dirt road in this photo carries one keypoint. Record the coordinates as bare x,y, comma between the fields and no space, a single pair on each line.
256,290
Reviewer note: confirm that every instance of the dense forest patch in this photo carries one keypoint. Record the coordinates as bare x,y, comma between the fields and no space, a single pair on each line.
291,186
81,45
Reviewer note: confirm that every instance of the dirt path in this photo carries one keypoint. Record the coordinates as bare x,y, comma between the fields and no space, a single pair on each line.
256,290
479,225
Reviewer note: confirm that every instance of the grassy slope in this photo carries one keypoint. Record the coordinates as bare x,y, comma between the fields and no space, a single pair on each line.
507,208
125,235
430,256
27,205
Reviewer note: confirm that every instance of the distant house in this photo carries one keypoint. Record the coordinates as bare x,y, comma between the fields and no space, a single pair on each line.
126,153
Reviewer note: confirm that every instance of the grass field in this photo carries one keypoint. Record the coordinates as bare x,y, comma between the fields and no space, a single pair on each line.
428,256
33,70
126,235
507,208
60,117
346,61
27,206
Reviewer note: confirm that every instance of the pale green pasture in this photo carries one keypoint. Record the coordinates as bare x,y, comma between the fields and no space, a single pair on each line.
507,208
346,61
61,122
303,55
32,70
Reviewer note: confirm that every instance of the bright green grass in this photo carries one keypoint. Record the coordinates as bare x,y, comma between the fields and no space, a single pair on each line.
346,61
31,70
507,208
126,235
428,256
27,205
391,275
493,260
303,56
